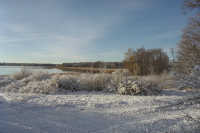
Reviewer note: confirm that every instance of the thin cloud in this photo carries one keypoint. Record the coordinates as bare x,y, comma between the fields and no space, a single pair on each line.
73,30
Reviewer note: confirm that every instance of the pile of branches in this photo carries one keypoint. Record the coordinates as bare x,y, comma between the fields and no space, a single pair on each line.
137,88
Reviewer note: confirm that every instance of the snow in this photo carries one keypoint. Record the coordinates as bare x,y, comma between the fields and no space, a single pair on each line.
96,112
37,102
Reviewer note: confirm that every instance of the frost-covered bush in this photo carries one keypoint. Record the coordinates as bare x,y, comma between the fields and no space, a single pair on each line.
44,83
94,82
39,75
13,87
159,79
102,82
24,73
118,75
111,88
18,81
5,81
56,85
41,83
40,87
131,87
66,82
1,78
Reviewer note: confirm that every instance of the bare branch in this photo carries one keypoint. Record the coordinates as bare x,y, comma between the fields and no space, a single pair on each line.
190,5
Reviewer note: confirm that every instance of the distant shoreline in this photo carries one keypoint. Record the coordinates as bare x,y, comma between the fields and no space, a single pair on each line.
26,64
55,74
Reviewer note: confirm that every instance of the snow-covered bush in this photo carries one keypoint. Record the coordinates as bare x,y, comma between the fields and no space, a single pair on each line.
5,81
103,82
18,81
131,87
159,79
94,82
40,87
1,78
66,82
24,73
39,75
165,80
118,75
40,82
111,88
56,85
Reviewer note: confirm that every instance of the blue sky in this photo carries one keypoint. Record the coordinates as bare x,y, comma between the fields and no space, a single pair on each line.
58,31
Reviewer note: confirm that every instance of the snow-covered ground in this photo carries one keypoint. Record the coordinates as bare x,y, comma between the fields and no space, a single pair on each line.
91,112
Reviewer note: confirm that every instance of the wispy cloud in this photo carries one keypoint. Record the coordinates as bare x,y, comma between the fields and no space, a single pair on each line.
67,29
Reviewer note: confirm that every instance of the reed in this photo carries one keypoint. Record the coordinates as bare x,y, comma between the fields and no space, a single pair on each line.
84,69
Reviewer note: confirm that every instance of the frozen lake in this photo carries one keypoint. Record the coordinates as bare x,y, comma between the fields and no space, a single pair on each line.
7,70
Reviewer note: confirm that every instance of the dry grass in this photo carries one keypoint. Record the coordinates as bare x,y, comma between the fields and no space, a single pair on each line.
84,69
159,79
75,74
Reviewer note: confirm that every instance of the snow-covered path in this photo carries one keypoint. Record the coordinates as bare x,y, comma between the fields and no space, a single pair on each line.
88,112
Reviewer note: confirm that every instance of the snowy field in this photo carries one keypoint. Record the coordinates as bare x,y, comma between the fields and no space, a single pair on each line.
37,102
91,112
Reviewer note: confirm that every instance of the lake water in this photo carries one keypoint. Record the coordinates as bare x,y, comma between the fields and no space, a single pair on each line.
7,70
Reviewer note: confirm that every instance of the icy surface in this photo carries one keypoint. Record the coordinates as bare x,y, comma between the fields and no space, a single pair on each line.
91,112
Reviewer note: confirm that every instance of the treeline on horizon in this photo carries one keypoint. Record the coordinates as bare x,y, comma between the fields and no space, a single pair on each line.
26,64
138,62
97,64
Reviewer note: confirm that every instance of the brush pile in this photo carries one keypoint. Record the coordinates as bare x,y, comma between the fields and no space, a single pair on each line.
129,87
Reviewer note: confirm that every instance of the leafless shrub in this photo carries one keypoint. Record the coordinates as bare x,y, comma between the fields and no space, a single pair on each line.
94,82
39,75
24,73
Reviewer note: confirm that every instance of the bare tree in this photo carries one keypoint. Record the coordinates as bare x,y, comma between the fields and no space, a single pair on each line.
193,81
143,62
189,45
190,5
188,55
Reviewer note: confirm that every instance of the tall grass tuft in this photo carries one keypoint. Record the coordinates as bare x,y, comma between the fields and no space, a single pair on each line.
24,73
94,82
159,79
